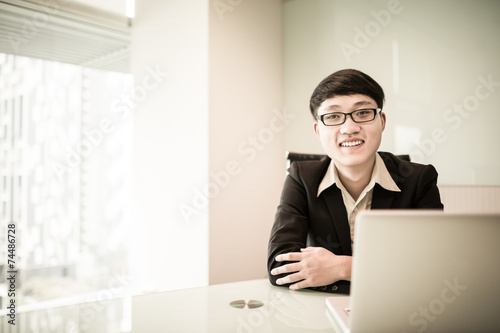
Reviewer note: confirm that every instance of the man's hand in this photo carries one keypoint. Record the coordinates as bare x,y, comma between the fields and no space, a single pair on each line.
313,267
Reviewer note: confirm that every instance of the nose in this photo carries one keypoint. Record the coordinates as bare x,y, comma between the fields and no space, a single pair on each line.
349,126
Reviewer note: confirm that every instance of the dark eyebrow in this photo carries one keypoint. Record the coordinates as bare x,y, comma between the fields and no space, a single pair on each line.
336,107
362,103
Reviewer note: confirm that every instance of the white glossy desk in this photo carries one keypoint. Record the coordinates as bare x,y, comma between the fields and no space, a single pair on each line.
207,310
197,310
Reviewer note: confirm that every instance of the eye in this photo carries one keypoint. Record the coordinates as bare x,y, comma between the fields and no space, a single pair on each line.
363,113
332,116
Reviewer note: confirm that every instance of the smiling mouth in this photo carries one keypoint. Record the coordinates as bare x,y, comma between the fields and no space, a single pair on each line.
351,143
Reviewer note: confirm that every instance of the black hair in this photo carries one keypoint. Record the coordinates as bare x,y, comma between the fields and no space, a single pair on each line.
346,82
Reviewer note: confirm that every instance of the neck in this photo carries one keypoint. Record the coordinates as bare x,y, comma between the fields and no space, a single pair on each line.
355,178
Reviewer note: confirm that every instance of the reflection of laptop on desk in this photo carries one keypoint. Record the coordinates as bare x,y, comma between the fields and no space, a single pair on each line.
422,271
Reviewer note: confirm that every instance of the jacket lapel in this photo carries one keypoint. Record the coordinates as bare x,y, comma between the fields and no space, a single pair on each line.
335,203
382,199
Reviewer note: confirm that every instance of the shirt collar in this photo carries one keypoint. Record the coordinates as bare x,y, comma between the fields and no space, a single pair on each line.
380,175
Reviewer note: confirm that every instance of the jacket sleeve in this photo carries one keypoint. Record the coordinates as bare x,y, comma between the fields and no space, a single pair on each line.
291,222
291,227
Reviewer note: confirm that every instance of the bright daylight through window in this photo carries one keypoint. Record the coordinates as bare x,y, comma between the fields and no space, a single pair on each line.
65,166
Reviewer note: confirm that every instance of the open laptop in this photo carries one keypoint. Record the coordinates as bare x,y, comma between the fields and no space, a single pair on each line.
422,271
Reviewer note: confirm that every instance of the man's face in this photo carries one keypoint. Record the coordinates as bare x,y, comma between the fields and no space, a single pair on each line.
350,144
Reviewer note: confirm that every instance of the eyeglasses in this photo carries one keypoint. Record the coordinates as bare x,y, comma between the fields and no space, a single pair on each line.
358,116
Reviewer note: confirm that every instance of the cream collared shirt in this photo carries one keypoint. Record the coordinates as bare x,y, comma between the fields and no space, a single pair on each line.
380,175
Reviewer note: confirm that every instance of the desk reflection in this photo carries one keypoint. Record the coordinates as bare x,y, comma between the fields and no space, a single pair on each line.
204,309
105,316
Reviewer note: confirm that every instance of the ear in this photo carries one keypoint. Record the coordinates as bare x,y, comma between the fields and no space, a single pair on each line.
383,119
316,129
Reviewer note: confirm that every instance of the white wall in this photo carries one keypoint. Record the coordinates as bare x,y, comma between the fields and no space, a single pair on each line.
436,60
246,129
170,39
209,160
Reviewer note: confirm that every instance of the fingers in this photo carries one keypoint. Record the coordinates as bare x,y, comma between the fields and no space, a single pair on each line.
299,285
291,278
309,249
296,277
302,282
291,256
295,267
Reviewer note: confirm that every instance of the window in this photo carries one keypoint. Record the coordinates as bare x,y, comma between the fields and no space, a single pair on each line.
65,179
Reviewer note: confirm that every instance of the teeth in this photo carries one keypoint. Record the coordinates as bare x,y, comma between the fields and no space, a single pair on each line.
351,143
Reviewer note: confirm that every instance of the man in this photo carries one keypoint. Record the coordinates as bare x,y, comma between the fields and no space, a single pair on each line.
311,240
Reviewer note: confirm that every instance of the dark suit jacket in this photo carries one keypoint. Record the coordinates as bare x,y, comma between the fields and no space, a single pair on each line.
303,219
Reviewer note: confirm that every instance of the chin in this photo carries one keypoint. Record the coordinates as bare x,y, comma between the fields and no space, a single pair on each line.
354,159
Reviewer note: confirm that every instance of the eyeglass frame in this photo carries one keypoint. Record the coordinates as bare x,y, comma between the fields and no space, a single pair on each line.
376,111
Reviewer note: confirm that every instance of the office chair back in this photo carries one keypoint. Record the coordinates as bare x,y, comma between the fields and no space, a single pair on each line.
293,156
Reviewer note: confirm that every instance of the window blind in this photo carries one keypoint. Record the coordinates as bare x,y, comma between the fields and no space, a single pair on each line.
65,31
